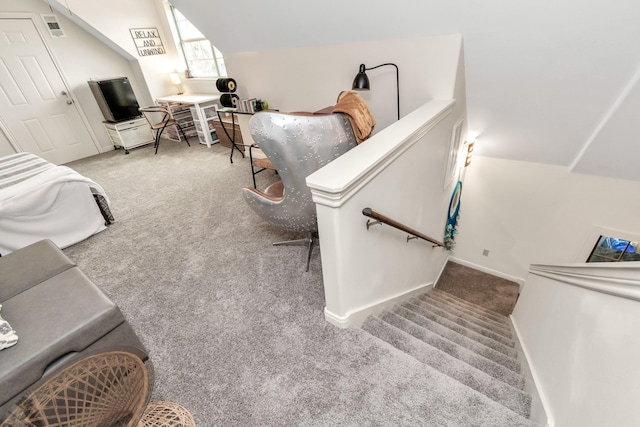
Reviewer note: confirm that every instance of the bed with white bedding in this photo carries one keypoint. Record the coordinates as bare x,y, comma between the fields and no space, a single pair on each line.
39,200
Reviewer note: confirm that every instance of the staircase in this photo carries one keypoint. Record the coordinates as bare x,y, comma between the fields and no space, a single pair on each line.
464,341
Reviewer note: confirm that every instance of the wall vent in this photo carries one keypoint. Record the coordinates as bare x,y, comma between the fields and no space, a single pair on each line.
51,21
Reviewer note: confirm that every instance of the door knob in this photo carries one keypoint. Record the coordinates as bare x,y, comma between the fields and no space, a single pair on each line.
69,100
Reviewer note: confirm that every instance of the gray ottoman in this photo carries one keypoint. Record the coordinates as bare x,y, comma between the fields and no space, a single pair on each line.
58,314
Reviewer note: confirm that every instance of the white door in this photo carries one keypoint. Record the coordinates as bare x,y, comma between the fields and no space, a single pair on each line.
35,107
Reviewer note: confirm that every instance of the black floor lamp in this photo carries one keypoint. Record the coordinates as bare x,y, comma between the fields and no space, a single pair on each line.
361,82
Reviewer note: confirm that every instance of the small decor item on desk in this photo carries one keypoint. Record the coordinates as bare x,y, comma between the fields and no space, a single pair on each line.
175,79
252,105
262,105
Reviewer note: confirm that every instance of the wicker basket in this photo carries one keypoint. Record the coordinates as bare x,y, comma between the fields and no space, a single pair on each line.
166,414
106,389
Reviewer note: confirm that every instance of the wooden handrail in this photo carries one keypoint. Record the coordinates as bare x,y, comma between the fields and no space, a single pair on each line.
386,220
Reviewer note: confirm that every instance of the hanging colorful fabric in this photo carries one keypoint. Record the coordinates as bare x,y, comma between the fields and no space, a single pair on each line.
452,218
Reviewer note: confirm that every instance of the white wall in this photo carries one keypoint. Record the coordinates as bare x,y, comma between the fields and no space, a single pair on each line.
540,75
582,344
615,138
526,213
310,78
118,55
112,22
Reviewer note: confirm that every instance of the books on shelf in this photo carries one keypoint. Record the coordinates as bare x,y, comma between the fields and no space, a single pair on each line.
250,105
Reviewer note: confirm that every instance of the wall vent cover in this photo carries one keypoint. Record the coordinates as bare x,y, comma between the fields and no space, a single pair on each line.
51,21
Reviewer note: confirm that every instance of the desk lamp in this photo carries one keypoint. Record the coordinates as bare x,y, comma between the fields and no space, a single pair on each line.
175,79
361,82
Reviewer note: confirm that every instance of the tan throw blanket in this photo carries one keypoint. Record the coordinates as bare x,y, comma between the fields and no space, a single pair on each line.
357,110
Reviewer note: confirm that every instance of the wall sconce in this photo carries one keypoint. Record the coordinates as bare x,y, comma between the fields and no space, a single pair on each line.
361,82
470,146
175,79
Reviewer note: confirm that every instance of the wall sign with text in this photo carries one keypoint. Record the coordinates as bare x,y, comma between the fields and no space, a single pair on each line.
147,41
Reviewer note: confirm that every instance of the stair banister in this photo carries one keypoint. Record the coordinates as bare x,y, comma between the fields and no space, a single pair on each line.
393,223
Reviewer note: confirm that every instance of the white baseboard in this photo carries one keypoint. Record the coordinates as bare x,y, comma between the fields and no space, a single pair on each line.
520,281
444,265
539,403
354,319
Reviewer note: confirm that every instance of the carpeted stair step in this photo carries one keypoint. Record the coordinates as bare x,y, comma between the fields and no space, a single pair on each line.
453,326
471,309
461,353
460,301
464,314
462,340
511,397
426,307
502,327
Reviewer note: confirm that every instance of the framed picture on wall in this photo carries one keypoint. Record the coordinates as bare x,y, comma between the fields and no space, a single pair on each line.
451,171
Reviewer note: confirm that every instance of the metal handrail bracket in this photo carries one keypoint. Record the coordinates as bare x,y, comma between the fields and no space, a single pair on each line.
413,234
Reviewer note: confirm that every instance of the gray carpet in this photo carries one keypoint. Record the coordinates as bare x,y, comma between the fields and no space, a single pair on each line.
491,292
234,326
418,328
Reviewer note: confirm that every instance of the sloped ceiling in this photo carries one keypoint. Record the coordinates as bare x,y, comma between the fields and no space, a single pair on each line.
547,82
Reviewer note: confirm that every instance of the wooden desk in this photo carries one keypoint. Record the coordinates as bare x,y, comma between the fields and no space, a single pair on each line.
198,102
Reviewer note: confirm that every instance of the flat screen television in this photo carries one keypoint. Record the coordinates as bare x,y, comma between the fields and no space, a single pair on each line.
115,98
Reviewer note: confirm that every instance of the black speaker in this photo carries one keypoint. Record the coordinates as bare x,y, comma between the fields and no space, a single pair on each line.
226,84
229,100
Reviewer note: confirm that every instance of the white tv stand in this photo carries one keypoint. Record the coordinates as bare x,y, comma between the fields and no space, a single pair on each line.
129,133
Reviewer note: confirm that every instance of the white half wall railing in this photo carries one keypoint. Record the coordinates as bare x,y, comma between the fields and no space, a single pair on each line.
579,329
400,171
